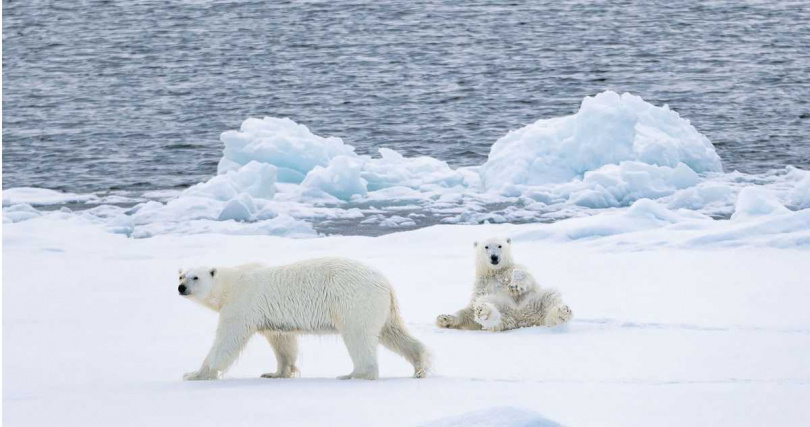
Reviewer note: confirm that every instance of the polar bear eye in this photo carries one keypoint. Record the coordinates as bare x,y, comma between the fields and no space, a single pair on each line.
486,247
194,278
499,246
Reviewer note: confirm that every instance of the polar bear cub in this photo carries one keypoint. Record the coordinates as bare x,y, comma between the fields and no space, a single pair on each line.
505,295
326,295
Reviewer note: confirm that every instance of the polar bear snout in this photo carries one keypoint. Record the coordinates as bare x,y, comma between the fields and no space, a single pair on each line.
494,259
182,289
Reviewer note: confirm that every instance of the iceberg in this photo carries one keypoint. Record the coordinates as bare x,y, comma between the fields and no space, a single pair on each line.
608,129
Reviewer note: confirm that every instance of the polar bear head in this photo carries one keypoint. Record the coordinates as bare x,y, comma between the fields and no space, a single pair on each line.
493,254
197,283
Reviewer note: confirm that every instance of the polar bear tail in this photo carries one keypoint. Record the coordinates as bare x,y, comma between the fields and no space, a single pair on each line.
395,337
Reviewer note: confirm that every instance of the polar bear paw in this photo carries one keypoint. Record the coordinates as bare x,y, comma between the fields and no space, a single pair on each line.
370,376
559,316
446,321
201,375
565,314
487,316
287,372
518,284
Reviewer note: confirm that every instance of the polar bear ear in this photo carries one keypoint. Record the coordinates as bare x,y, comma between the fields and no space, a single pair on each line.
509,240
213,272
475,244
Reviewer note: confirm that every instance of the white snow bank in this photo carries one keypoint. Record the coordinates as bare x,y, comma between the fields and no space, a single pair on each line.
19,212
759,222
41,196
608,129
755,202
799,195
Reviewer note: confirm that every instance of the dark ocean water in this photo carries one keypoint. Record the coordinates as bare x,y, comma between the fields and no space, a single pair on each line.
132,95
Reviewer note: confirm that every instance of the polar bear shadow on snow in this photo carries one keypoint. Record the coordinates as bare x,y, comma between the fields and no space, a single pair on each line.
505,295
319,296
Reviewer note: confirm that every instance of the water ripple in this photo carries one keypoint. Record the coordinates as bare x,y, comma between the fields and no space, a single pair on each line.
133,94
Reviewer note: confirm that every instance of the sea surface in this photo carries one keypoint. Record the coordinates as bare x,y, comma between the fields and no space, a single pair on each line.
106,96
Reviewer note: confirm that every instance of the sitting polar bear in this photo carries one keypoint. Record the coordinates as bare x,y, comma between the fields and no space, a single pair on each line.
505,295
327,295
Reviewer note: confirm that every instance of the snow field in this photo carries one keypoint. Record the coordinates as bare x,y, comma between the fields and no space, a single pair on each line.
95,333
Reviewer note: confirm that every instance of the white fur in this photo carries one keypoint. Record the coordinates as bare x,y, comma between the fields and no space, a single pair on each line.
505,295
326,295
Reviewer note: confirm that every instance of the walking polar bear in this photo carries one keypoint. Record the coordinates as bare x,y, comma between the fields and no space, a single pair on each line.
505,296
326,295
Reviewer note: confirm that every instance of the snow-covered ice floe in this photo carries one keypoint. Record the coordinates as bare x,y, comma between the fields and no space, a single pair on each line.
277,177
94,332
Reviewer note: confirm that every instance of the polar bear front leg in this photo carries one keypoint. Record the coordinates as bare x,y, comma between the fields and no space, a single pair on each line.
232,335
520,282
285,347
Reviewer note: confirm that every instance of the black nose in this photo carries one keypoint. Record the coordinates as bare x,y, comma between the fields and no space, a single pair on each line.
494,259
182,289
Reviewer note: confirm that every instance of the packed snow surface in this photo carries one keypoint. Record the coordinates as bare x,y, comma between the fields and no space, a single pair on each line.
679,320
277,177
495,417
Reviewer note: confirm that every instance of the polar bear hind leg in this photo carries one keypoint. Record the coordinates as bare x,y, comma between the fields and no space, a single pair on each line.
446,321
558,315
463,319
545,308
361,326
285,346
362,348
